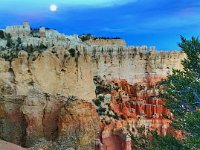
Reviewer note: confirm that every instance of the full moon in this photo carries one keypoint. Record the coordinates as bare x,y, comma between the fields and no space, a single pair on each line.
53,7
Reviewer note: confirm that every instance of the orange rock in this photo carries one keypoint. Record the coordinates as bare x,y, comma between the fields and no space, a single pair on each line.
138,100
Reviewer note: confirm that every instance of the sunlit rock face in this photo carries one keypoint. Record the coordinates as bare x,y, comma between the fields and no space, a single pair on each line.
46,95
79,125
48,72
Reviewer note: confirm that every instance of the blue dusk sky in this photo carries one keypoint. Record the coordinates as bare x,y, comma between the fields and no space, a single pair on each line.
139,22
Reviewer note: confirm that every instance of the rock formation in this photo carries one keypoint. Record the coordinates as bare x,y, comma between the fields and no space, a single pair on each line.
47,89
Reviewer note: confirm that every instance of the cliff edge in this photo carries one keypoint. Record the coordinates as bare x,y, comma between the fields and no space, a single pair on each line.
47,87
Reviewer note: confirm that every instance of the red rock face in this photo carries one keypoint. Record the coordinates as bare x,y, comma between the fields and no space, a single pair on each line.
136,105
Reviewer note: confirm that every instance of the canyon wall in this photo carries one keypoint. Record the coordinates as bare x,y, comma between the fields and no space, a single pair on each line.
58,73
47,95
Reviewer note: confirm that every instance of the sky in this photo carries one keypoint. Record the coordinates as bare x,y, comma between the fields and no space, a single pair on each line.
140,22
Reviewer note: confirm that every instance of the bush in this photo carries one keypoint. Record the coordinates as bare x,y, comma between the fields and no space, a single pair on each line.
72,52
116,116
101,110
97,102
2,34
123,117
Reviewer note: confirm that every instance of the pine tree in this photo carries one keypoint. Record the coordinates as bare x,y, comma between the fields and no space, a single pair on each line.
182,91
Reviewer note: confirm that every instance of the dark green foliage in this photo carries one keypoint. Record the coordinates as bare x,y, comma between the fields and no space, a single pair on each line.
101,89
102,86
35,32
101,98
119,100
72,52
165,143
192,142
86,37
9,40
29,49
192,125
42,46
2,34
19,41
182,91
7,36
116,116
101,111
140,142
97,102
192,50
143,141
122,117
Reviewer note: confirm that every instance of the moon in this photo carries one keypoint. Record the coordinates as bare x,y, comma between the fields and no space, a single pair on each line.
53,7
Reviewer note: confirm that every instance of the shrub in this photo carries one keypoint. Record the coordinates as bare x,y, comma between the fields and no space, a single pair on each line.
72,52
122,117
2,34
116,116
97,102
101,110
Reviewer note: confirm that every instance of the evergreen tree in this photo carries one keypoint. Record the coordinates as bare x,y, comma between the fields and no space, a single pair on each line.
9,40
182,91
2,34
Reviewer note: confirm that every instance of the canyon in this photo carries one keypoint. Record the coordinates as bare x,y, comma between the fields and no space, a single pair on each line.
80,95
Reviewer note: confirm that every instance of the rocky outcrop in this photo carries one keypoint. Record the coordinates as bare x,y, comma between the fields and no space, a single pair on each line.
48,72
134,66
12,121
126,108
41,90
78,125
19,30
39,115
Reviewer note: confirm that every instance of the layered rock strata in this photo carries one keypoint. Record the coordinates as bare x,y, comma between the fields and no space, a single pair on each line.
41,89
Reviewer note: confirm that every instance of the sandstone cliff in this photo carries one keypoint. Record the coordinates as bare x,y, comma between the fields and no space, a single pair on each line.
45,74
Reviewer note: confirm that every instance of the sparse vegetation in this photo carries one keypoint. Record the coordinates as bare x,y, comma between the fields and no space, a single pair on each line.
101,110
69,99
14,46
103,105
152,141
115,116
122,117
35,32
89,36
2,34
72,52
